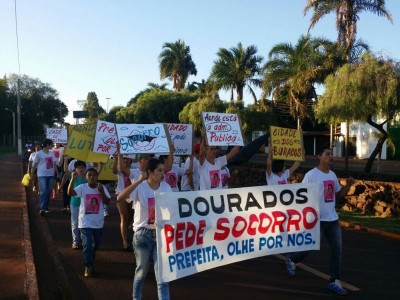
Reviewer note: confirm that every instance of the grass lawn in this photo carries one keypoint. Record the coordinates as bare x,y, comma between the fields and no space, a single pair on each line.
386,224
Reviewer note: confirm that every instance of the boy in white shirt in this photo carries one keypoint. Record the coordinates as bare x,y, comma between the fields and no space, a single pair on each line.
93,196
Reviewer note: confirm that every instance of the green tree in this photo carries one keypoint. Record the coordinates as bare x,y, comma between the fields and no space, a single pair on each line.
176,64
150,87
347,14
92,105
363,92
294,70
236,68
191,113
40,104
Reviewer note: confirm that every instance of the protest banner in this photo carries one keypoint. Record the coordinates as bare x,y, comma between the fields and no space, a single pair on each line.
222,129
286,143
182,138
86,129
107,171
80,146
197,231
105,139
143,138
57,135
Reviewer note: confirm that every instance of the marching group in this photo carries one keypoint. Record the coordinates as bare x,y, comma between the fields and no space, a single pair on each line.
140,177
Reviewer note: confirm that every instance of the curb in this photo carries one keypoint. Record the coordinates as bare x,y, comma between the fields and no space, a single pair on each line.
31,278
369,230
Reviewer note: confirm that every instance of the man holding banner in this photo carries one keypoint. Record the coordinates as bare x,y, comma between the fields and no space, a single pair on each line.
329,219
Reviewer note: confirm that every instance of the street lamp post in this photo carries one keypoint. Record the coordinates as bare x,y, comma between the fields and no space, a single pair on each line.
108,100
13,116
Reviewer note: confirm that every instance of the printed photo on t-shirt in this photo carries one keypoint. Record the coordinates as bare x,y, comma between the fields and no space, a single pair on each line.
49,162
92,203
214,178
282,181
127,181
225,179
170,178
329,192
151,210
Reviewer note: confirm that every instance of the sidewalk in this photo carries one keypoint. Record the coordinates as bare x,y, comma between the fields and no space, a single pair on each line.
17,269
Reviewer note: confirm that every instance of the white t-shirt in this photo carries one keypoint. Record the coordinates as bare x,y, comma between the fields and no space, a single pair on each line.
144,204
45,163
225,175
123,181
91,209
32,156
274,179
210,175
196,177
172,176
329,185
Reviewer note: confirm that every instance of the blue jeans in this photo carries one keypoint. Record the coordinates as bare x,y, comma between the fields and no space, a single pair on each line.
333,233
144,244
76,234
91,239
45,187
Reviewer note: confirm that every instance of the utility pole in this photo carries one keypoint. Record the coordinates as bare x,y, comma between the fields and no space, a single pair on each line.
108,100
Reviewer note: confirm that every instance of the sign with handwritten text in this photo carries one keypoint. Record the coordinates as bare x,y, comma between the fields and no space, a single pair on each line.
201,230
181,137
57,135
86,129
142,138
80,146
107,171
222,129
286,143
105,140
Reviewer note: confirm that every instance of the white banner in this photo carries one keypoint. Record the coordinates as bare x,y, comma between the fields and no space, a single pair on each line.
57,135
142,138
201,230
222,129
181,137
105,139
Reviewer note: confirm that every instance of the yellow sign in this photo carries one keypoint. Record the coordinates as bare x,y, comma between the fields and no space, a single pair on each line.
86,129
80,146
286,143
107,171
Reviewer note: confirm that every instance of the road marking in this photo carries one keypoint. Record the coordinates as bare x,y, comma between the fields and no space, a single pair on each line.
319,274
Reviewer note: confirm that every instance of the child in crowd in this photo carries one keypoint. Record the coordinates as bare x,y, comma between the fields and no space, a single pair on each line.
91,221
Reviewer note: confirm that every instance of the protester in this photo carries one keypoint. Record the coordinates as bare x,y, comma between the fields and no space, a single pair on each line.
93,196
141,193
329,219
45,163
38,147
191,181
125,209
210,165
276,172
80,169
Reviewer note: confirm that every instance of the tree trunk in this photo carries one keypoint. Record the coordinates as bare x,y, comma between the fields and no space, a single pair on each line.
379,144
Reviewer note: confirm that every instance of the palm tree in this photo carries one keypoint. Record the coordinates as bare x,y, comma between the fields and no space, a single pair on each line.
294,70
235,68
347,14
176,64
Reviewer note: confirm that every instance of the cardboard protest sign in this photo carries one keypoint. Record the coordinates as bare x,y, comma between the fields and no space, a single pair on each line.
201,230
142,138
286,143
80,146
57,135
86,129
222,129
181,137
105,140
107,171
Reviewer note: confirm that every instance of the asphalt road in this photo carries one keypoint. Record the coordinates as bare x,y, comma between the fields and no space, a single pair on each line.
371,267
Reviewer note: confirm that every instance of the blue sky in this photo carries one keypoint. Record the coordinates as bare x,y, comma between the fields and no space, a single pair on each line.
111,47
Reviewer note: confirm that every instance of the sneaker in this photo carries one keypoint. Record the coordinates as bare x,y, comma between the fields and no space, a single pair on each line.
290,266
47,211
42,212
88,271
76,246
34,188
336,286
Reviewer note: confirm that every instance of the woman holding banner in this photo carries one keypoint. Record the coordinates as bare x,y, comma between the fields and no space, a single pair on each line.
141,193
